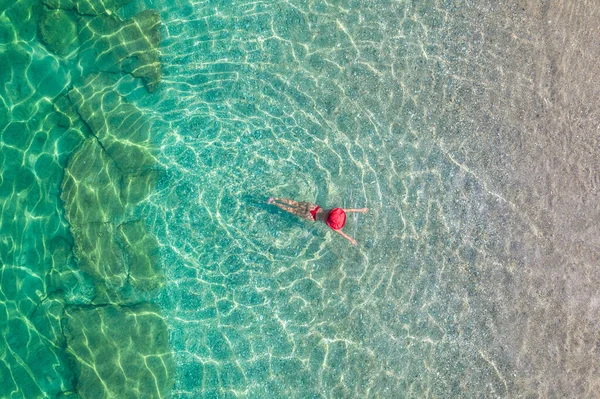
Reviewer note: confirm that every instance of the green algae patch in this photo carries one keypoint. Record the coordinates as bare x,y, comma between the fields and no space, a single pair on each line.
16,134
119,352
25,355
7,31
24,15
13,69
58,31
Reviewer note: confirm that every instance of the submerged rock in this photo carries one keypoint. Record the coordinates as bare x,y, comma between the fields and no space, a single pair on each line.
90,189
87,7
92,201
144,61
120,128
141,252
119,351
110,173
58,31
113,45
121,258
108,43
136,187
100,256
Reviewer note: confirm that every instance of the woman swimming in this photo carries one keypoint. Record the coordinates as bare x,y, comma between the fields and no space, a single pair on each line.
334,218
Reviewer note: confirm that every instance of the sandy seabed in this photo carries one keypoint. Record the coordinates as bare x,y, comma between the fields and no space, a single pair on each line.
537,123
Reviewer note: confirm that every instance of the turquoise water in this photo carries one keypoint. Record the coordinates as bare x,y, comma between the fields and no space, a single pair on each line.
138,256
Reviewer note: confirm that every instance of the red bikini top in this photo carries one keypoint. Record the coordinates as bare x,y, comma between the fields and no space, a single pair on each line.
314,212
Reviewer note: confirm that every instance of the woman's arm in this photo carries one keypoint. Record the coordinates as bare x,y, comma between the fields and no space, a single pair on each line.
361,210
347,237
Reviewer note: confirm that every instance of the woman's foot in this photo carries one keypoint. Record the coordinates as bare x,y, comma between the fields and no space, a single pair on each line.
271,200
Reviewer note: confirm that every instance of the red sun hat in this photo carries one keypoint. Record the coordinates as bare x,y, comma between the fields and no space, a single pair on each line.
336,218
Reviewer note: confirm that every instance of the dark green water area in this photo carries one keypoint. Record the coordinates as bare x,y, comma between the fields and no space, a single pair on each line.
78,268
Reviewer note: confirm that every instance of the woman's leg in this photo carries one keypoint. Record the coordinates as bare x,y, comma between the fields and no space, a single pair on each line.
301,209
287,201
286,208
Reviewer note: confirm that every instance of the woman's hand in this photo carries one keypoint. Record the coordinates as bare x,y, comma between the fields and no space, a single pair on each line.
347,237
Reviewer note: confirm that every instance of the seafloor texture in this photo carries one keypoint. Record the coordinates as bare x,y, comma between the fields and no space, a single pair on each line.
140,140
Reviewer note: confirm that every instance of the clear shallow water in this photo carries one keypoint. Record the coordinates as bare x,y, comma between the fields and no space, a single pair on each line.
139,258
